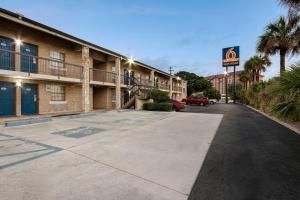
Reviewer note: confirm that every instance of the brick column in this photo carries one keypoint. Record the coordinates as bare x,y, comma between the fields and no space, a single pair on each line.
171,86
18,102
152,78
18,89
85,80
118,83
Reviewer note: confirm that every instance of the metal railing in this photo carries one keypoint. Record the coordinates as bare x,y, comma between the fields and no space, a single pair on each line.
162,86
15,61
103,76
145,82
177,88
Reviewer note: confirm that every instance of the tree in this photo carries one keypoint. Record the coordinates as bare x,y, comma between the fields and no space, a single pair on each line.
293,5
195,83
245,77
281,36
212,93
257,64
238,89
158,96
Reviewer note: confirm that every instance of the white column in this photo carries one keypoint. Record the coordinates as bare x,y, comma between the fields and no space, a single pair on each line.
86,79
118,83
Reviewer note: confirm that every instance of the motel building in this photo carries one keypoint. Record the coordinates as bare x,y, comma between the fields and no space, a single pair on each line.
46,71
219,83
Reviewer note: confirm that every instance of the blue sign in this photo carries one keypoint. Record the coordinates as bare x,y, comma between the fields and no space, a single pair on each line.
231,56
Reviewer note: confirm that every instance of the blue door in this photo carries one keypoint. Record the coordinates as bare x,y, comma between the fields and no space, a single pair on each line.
6,55
29,99
28,58
7,99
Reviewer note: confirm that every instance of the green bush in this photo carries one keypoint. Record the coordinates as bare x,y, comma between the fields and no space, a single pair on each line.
280,95
158,106
158,96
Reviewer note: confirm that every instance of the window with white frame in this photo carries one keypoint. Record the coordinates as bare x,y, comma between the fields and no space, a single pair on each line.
57,60
58,92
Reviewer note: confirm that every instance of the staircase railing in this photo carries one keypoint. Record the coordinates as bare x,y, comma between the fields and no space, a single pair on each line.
135,90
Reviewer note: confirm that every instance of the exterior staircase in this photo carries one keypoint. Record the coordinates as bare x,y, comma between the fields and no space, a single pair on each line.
137,91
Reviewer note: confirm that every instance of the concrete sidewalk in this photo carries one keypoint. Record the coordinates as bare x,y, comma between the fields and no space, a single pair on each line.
127,155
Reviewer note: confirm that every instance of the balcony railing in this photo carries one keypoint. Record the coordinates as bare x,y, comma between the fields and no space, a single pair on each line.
15,61
103,76
163,86
145,82
177,88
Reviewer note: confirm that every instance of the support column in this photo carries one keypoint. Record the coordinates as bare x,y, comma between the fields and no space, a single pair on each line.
18,102
152,78
171,86
118,83
18,89
86,79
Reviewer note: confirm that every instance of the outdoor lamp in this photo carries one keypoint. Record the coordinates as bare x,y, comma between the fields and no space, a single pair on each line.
131,60
18,42
18,83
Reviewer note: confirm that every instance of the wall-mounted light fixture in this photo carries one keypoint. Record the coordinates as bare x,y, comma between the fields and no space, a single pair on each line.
19,83
131,60
18,42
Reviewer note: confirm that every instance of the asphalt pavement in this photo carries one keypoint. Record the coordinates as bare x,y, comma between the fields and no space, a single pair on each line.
251,158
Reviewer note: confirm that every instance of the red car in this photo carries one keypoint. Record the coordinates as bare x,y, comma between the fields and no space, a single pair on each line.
196,100
176,105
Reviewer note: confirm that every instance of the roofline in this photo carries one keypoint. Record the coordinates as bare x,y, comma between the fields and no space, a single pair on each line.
18,18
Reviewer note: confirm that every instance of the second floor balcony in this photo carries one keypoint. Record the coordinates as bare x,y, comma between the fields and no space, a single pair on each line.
103,76
162,86
17,64
177,88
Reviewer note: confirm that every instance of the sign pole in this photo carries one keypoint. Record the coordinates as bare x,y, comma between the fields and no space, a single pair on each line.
234,84
226,82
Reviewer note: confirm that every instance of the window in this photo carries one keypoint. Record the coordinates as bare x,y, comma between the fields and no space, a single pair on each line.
57,60
57,93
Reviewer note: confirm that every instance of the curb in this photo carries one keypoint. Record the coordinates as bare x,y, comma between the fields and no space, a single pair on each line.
276,120
27,122
82,115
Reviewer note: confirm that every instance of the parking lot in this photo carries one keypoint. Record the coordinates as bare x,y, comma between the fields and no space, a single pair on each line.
109,155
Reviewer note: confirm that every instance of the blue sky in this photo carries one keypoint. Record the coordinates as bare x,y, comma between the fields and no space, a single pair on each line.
188,35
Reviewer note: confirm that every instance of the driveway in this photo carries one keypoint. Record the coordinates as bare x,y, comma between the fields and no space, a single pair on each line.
250,158
110,156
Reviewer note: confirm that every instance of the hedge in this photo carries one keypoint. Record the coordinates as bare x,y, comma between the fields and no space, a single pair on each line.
158,106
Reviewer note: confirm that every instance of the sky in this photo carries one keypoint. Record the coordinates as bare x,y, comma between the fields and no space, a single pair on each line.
187,35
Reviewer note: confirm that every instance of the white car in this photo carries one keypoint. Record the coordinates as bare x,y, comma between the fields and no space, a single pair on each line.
213,101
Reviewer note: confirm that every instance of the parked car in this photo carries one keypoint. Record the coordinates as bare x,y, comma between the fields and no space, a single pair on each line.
177,105
213,101
196,100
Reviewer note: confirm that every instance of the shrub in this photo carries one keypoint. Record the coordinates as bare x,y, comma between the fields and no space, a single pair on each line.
158,106
158,96
287,90
280,95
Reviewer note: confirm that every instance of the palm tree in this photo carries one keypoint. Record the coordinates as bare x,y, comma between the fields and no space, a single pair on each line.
283,37
245,77
293,5
256,65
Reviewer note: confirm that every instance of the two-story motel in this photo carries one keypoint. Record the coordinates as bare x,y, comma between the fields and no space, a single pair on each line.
46,71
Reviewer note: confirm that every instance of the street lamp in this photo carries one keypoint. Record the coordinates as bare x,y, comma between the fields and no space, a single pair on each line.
226,88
